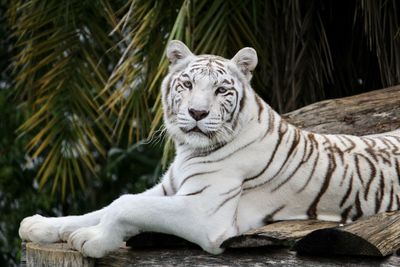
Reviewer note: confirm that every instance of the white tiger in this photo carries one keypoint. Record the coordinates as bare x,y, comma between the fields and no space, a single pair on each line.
238,165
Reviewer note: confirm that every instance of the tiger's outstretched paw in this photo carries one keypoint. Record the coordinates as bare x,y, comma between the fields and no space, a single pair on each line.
39,229
95,241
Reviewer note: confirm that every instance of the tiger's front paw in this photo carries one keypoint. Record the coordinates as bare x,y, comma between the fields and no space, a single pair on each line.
39,229
95,241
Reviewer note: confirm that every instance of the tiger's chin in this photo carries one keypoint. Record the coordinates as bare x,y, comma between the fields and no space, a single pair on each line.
198,139
194,138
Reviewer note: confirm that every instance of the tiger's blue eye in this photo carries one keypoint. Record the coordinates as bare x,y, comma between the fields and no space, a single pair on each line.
220,90
188,84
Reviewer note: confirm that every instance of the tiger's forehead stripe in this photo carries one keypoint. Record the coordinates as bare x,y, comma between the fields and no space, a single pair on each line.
208,65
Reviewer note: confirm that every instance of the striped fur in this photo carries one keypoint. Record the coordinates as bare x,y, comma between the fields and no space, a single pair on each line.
238,167
284,172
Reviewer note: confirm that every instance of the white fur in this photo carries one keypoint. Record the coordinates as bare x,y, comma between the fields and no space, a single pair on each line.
211,191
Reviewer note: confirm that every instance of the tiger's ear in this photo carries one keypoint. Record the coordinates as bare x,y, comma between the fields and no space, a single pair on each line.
246,60
177,51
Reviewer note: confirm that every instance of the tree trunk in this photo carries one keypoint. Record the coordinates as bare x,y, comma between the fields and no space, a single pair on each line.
373,112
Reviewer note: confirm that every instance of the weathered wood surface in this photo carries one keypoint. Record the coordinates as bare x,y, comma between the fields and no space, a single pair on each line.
280,233
378,235
373,112
264,256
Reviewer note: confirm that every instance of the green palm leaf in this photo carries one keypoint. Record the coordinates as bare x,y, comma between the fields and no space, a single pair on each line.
57,73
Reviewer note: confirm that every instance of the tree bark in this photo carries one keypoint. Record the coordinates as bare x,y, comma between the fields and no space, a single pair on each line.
280,233
369,113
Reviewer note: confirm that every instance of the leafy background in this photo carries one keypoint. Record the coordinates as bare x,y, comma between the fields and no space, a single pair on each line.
79,85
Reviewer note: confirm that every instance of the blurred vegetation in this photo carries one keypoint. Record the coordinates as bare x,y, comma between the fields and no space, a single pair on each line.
79,84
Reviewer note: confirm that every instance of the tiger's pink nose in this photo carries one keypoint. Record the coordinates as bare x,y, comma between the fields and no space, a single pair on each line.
198,114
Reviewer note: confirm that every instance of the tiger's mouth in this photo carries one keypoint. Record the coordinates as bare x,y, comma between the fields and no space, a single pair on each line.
197,130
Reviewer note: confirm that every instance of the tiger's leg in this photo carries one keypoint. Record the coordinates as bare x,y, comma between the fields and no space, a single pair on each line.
41,229
194,218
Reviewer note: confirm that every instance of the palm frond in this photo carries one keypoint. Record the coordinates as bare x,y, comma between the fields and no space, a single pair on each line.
58,74
382,26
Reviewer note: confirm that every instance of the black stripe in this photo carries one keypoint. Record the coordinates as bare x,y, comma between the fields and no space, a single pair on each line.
198,191
353,145
291,175
280,135
395,149
359,212
194,175
241,105
341,140
397,169
358,168
226,201
225,157
234,115
185,75
204,153
243,100
171,181
345,214
379,193
295,142
260,107
231,190
313,141
371,177
163,189
312,210
218,63
398,202
346,168
226,81
271,120
270,216
347,194
390,205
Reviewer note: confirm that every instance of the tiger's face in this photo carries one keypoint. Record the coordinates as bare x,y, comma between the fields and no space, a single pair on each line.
204,96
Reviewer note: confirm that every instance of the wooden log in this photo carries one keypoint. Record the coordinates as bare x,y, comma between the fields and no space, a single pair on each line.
263,256
58,254
377,235
373,112
280,233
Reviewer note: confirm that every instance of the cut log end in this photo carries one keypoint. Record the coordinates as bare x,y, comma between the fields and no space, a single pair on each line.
58,254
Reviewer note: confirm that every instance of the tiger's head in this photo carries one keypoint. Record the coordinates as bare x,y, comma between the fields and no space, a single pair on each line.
204,95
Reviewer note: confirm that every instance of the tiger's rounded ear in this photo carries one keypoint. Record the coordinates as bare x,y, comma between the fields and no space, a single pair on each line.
246,60
176,51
